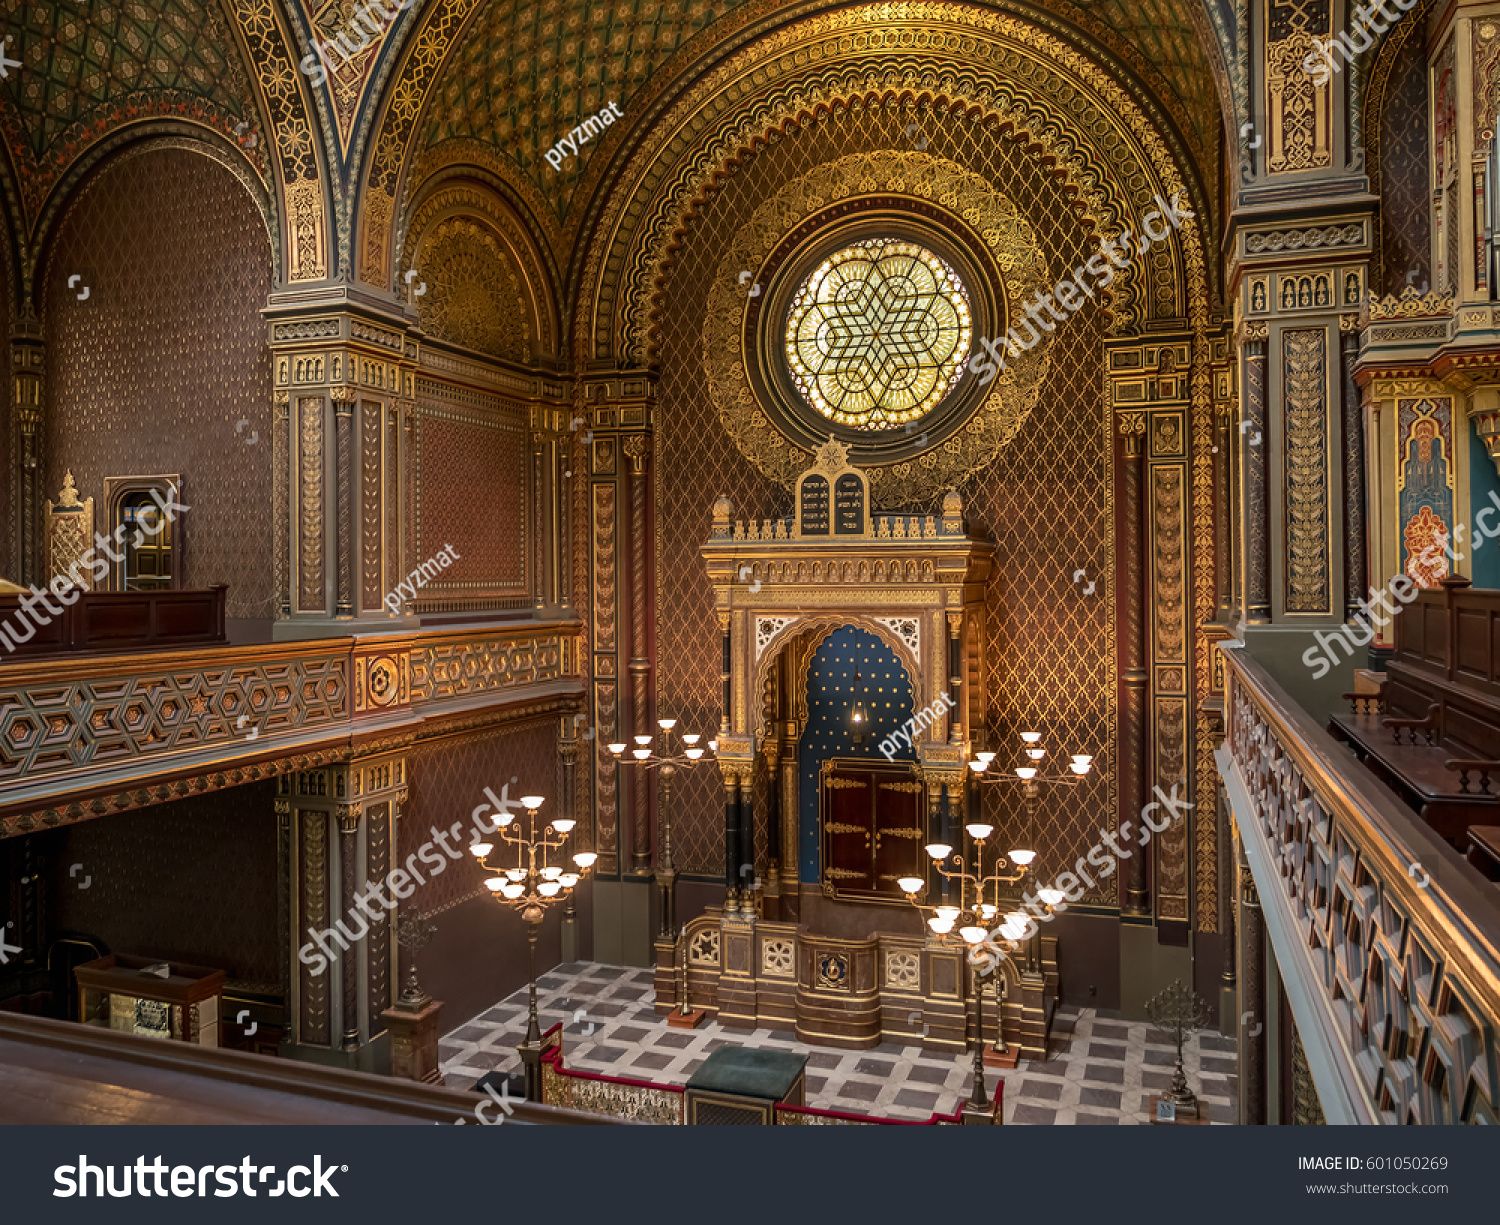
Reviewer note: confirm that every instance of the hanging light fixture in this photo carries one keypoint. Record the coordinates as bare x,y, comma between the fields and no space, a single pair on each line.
859,717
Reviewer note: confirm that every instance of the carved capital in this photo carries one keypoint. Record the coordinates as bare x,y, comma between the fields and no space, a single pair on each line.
637,448
1132,427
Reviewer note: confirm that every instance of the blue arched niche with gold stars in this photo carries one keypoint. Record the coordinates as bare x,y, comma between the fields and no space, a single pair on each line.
886,691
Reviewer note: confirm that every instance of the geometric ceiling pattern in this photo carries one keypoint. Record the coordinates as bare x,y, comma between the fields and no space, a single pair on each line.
522,76
525,74
88,65
519,78
1164,34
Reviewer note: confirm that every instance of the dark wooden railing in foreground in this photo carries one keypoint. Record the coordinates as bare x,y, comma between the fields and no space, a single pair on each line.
1389,943
58,1072
625,1098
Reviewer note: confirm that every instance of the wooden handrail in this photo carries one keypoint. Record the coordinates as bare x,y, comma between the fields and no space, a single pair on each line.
1461,910
184,1066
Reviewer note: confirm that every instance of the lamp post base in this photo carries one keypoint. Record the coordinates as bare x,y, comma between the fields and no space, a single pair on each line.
994,1057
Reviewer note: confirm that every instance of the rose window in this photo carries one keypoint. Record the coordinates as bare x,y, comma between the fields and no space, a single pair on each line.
878,334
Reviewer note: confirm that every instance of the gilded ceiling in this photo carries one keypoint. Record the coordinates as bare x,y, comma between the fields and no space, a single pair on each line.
523,75
88,67
495,83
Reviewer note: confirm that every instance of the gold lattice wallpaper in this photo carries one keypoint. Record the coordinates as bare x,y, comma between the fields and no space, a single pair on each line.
469,481
1045,500
1405,219
192,881
179,386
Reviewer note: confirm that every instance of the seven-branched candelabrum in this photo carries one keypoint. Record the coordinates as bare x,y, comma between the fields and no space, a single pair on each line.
530,876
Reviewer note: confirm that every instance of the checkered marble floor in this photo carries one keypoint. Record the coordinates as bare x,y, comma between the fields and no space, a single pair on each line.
1101,1070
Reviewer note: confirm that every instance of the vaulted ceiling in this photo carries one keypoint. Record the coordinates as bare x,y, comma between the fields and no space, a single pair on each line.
522,75
502,80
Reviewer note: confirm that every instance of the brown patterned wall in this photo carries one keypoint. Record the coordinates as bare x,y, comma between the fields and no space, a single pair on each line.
192,881
1046,500
7,290
1405,220
478,953
470,488
179,385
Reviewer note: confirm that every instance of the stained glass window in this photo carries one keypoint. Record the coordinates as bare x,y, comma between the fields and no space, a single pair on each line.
878,333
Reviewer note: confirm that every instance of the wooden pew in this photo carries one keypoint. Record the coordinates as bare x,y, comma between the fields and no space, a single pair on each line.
1433,733
113,621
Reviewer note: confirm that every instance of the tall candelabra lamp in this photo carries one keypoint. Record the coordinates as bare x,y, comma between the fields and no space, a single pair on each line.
676,751
1031,778
530,878
969,916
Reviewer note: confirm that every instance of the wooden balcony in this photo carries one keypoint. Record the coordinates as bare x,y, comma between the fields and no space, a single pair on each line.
1387,941
86,734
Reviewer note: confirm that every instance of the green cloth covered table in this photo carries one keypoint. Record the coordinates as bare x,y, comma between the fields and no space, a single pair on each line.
747,1072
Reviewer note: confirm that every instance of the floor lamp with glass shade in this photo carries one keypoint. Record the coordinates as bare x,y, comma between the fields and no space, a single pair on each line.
969,916
667,758
529,875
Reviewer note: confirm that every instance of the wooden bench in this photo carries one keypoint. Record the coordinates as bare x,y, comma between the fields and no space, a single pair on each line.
1484,850
1433,732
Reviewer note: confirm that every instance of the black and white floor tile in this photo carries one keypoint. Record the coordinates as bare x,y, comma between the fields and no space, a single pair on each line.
1100,1071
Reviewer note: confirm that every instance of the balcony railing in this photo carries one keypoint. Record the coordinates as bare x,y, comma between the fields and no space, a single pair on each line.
85,734
1389,944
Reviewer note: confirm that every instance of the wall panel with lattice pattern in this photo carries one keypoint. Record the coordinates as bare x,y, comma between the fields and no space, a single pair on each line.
471,492
182,383
193,881
1405,221
1046,500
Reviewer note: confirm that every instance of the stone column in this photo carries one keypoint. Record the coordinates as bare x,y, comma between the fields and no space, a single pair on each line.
732,809
1227,857
1255,477
344,382
1253,1023
342,890
1136,897
956,720
791,825
567,805
1223,511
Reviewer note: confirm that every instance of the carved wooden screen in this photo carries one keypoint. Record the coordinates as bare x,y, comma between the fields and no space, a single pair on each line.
870,818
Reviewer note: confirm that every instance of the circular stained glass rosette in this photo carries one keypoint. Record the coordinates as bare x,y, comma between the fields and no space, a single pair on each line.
878,334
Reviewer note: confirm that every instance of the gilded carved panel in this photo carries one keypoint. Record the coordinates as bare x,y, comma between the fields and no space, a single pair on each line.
1307,464
1299,108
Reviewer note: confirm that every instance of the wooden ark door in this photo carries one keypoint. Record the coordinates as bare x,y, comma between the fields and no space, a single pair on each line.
871,828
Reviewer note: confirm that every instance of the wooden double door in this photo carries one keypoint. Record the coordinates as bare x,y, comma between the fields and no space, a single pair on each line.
871,828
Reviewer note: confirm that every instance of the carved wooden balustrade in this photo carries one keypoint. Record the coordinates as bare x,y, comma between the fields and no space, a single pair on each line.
85,735
1389,944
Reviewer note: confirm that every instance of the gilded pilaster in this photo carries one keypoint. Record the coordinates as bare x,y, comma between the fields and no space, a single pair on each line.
338,828
637,448
27,400
344,383
613,407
